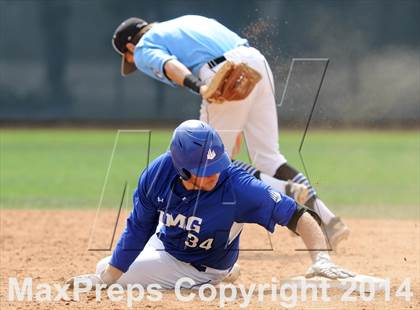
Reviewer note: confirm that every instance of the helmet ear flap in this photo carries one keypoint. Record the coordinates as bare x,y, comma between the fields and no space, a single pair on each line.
185,174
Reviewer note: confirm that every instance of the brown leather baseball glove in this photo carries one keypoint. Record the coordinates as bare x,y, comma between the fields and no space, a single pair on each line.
231,82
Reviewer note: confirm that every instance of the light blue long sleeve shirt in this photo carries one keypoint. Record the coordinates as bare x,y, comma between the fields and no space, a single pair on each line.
193,40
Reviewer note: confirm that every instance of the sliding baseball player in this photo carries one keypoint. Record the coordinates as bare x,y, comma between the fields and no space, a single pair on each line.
201,201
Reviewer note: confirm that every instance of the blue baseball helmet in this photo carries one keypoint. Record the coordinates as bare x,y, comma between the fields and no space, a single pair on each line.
197,149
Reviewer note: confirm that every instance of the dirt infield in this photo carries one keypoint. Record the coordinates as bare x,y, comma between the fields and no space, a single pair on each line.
51,246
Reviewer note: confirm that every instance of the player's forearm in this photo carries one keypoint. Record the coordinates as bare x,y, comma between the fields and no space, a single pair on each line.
311,234
176,71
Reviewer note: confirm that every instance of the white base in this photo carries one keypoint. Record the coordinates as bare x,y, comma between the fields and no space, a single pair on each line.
359,283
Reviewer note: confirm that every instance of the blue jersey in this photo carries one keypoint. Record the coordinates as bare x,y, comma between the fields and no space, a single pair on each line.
193,40
198,227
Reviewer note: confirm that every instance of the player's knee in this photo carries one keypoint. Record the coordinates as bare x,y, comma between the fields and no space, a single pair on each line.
269,164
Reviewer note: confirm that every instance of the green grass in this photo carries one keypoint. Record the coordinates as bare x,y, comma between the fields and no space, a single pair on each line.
357,173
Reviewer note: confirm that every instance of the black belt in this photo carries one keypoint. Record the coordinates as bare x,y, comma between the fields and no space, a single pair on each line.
200,268
214,62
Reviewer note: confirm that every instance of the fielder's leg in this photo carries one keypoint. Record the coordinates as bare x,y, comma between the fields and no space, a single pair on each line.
298,188
227,119
298,192
335,229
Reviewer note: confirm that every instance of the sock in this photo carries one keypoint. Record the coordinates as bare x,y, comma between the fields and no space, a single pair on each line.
322,210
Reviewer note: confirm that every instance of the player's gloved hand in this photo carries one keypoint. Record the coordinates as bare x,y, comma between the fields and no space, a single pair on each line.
324,267
86,280
231,82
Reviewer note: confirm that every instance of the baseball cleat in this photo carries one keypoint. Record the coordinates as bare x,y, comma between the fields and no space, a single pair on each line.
336,232
233,275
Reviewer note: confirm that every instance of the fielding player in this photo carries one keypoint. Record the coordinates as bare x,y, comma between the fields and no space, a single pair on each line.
201,201
236,84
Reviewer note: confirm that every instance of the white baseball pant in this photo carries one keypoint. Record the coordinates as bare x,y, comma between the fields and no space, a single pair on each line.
156,266
255,116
